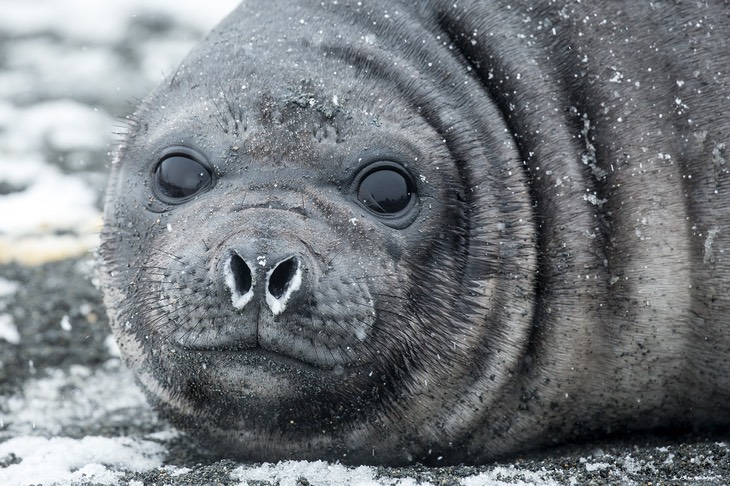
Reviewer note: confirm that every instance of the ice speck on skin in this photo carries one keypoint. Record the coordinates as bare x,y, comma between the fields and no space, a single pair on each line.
65,460
616,78
593,199
717,158
709,252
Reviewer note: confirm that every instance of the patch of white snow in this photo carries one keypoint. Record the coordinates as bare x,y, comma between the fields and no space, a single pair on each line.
74,461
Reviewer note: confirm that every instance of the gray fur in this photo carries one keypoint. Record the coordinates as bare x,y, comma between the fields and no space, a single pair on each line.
564,272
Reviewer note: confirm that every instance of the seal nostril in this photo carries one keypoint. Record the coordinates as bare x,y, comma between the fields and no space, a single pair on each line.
241,274
239,280
281,277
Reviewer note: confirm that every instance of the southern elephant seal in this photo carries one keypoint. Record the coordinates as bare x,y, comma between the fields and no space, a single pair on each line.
446,231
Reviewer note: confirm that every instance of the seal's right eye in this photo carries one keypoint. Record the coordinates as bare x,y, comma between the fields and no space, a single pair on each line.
178,177
385,191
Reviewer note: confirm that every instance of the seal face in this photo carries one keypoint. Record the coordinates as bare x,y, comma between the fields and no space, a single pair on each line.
429,231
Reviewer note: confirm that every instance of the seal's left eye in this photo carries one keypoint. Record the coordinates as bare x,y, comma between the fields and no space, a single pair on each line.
179,177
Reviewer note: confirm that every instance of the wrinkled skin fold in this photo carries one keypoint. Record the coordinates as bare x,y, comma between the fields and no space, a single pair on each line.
549,259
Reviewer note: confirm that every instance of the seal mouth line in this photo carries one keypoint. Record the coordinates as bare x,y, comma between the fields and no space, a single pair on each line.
256,354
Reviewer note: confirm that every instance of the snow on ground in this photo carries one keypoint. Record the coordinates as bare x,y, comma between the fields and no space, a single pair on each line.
44,421
64,460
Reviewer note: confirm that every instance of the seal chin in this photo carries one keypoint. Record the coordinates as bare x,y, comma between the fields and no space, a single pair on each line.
251,389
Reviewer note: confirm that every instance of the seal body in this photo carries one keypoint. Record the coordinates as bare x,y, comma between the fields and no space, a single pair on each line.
389,232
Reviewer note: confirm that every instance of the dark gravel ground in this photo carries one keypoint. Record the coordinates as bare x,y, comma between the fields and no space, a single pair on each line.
61,377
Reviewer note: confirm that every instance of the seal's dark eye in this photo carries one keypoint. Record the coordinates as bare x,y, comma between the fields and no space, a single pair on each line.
386,190
179,177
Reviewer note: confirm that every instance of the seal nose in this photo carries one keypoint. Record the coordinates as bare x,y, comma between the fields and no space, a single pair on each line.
282,280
